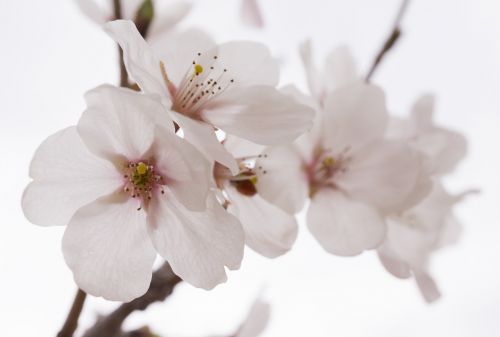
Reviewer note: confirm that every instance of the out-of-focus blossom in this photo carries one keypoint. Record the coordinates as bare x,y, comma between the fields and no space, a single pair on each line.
166,15
443,147
231,87
414,235
251,14
353,175
269,230
256,321
127,189
339,69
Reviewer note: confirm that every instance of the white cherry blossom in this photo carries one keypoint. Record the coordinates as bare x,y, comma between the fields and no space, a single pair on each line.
230,86
167,14
127,190
353,175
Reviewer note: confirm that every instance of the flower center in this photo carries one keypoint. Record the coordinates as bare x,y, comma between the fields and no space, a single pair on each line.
205,79
323,168
141,181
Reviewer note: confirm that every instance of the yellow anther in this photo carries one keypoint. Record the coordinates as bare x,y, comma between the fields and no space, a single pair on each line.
328,161
141,169
253,180
198,69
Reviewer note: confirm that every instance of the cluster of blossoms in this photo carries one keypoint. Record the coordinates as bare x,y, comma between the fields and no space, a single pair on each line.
209,155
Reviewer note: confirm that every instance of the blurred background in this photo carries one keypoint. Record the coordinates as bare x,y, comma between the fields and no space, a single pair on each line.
51,54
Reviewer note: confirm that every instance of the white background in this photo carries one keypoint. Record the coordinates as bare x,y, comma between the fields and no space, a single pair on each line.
50,55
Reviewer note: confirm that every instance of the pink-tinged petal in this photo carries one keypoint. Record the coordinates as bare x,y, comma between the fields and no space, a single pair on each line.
315,81
117,122
203,137
354,116
178,51
427,286
186,170
340,68
198,245
387,175
66,177
93,11
256,321
107,247
343,226
141,62
281,179
268,230
394,266
250,13
167,17
260,114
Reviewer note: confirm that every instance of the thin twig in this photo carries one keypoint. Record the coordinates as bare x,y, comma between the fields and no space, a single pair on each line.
390,41
163,283
71,322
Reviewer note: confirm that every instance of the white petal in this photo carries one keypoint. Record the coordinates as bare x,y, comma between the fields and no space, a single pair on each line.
196,244
260,114
203,137
66,177
130,7
256,321
354,115
241,148
116,122
444,147
268,230
141,62
185,168
340,68
343,226
248,63
250,13
93,11
178,50
385,174
167,18
394,266
107,247
281,179
427,287
315,81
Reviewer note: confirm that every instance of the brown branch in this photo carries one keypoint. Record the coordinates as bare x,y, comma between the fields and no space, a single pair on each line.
71,322
390,41
163,282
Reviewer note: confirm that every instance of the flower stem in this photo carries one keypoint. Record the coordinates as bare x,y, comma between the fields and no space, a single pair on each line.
117,13
71,322
390,41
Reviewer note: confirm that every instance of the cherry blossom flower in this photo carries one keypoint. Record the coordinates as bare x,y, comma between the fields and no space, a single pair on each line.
127,190
414,235
229,86
353,175
269,230
166,15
